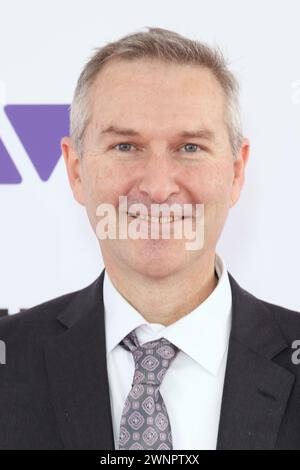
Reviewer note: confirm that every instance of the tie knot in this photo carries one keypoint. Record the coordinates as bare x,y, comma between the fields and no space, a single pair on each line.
152,359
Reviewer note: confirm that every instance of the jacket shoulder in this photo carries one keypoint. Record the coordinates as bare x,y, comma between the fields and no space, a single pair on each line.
287,319
35,319
262,311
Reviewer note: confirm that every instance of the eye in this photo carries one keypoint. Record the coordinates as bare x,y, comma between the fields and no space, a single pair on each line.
123,147
191,148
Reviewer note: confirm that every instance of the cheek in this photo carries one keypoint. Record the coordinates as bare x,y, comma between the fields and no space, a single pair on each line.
209,183
105,184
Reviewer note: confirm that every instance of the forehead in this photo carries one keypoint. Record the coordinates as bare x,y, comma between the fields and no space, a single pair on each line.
148,90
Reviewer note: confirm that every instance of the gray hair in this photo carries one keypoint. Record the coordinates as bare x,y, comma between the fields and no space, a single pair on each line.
167,46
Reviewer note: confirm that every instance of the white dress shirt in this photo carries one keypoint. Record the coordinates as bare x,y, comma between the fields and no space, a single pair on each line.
193,385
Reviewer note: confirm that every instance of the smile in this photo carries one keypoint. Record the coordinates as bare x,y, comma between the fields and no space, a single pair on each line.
155,219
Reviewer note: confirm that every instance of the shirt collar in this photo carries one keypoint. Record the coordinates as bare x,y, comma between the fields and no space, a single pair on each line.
202,334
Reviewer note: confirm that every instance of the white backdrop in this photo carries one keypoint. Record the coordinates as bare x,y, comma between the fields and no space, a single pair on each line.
47,247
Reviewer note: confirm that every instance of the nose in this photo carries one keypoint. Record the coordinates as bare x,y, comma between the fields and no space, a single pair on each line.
158,180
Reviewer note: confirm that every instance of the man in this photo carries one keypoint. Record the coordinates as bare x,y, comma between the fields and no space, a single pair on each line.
164,350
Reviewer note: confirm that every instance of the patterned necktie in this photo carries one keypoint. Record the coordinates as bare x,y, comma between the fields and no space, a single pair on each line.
145,423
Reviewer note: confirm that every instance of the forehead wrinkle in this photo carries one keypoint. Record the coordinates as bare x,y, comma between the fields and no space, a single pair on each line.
206,134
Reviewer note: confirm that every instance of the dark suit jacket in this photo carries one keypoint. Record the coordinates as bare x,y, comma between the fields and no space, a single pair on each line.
54,391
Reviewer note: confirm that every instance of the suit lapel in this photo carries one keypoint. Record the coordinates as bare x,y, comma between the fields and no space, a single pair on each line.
256,389
77,372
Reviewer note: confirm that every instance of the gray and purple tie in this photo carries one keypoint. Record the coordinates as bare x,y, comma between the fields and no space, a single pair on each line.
145,423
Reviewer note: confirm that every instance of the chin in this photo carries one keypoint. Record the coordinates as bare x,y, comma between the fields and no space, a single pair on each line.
157,269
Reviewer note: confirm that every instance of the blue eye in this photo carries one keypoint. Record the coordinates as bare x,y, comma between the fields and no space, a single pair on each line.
192,148
124,147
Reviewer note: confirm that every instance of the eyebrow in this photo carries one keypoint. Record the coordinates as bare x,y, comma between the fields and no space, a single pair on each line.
200,133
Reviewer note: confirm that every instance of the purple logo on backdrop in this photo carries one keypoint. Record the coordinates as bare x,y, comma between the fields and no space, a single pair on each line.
39,128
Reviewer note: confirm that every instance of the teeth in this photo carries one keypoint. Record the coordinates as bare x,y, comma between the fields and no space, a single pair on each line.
161,219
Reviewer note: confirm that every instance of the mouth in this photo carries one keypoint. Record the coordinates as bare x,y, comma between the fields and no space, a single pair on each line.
156,219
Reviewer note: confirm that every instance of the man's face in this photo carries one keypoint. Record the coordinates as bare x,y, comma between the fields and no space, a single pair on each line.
156,163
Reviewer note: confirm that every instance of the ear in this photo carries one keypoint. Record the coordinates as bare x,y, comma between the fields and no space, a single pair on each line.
239,171
74,169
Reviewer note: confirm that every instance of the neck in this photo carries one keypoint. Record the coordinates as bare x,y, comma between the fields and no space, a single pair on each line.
166,300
